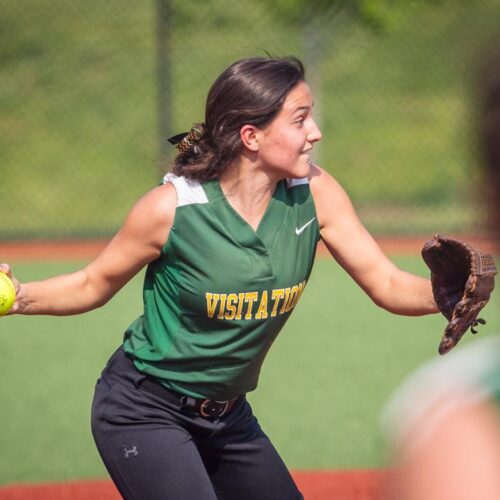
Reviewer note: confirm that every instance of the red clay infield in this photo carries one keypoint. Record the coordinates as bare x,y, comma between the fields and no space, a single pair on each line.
11,251
315,485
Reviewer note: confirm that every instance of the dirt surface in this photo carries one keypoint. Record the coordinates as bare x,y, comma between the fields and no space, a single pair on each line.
13,251
363,484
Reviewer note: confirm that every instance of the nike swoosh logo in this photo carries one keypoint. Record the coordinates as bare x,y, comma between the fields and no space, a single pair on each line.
300,230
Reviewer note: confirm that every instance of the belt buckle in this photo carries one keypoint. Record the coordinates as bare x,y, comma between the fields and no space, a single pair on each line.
209,409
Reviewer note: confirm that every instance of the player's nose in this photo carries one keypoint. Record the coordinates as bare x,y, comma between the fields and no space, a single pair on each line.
314,134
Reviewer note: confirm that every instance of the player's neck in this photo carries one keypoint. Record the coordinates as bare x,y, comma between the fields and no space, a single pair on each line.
248,191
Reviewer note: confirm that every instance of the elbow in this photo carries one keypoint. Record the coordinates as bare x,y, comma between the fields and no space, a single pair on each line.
386,293
380,296
388,306
390,302
99,296
95,295
99,302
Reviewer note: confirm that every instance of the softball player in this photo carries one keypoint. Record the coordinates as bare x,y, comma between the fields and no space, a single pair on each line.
229,240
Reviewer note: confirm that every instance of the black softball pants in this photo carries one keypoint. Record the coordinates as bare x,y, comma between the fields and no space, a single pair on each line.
154,450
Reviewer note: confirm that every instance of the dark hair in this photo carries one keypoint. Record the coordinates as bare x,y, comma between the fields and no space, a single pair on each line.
250,91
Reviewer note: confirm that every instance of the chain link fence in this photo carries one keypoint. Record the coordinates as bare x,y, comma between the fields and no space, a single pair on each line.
90,89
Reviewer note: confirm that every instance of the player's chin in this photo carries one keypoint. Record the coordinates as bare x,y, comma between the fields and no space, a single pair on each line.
301,168
297,170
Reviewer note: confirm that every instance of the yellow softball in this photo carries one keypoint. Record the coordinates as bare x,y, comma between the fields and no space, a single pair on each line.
7,294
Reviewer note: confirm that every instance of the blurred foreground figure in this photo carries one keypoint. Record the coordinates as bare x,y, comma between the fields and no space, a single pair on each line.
445,425
444,421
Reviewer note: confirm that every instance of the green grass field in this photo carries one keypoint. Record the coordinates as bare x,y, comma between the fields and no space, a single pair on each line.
321,391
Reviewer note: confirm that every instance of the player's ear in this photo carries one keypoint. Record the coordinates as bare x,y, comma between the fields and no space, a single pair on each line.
248,134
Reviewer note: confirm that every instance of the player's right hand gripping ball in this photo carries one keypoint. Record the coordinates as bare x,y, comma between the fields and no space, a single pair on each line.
7,294
462,280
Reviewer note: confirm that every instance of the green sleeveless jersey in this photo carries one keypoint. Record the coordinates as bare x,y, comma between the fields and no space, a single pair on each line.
220,292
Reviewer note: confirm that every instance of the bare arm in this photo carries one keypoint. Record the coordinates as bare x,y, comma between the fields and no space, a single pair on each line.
358,253
137,243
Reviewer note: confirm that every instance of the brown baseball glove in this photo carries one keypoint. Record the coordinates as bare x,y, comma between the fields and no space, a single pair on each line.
462,280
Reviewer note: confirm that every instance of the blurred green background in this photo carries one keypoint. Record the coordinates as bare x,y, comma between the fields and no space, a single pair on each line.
89,90
320,395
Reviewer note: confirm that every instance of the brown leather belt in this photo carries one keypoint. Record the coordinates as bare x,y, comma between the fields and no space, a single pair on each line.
208,408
